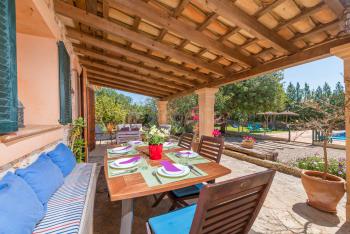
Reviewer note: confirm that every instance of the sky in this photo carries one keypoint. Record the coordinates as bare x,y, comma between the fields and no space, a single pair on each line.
316,73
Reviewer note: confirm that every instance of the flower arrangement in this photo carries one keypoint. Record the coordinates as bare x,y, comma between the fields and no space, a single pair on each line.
156,136
216,133
249,138
248,142
337,167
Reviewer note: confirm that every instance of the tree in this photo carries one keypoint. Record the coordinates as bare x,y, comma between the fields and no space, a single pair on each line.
298,93
179,110
338,95
291,95
307,92
264,93
318,96
111,107
327,92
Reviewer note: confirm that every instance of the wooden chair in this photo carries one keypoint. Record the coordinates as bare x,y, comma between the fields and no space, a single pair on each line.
186,140
209,147
227,207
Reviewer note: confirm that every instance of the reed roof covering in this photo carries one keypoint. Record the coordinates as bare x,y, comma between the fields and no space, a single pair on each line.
168,48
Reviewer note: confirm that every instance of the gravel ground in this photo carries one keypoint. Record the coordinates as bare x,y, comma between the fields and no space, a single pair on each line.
288,152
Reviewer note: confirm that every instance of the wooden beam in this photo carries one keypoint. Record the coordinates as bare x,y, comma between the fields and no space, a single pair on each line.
304,56
316,30
164,19
120,75
125,81
85,38
228,10
95,81
269,8
91,6
138,67
306,13
210,19
111,69
180,7
336,6
116,29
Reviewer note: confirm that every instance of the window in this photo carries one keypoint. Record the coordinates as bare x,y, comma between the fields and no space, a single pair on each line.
8,67
65,85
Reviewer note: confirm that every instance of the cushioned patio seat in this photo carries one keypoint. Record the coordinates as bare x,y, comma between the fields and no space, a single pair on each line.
69,210
175,222
188,191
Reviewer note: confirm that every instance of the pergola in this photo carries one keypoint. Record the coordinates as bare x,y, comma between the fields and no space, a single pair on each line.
169,48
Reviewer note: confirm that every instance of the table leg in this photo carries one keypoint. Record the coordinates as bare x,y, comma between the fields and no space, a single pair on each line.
127,216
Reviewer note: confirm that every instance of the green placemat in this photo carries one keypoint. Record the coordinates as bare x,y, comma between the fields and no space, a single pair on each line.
171,147
131,152
192,161
111,170
151,180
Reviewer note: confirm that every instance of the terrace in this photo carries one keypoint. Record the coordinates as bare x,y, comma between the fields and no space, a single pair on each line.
163,49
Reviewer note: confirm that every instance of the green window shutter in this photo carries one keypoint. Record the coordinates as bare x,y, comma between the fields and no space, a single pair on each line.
65,85
8,67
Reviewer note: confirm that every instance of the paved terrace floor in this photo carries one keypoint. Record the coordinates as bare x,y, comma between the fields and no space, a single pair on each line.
284,210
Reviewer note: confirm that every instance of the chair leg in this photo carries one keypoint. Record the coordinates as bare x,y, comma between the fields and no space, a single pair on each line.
158,200
173,206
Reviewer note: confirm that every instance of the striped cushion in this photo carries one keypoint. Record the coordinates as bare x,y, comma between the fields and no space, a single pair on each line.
67,205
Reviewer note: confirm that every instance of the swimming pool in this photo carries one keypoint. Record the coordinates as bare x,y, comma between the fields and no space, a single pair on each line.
340,136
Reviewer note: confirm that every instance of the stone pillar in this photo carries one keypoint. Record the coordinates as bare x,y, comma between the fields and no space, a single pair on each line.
206,102
343,52
162,112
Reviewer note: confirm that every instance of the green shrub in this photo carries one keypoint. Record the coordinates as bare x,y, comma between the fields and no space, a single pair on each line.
315,163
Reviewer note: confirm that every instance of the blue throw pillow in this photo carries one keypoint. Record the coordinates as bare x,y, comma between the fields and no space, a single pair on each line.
64,158
43,176
20,208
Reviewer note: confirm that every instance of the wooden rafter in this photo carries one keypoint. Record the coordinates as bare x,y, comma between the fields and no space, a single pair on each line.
180,7
336,6
99,43
135,66
118,79
317,30
269,8
120,70
164,19
228,10
118,30
304,56
114,86
112,69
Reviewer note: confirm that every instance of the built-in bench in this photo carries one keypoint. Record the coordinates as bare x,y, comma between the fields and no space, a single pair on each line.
70,208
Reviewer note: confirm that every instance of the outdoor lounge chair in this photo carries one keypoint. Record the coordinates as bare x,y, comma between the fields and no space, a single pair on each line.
128,132
227,207
209,147
165,126
100,135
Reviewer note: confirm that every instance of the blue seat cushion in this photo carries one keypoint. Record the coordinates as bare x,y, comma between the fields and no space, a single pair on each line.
188,191
20,208
43,176
175,222
64,158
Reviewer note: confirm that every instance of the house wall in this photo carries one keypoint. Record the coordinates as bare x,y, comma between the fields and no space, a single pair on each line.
37,64
37,72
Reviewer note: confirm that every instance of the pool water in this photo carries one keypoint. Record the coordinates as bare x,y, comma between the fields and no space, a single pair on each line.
340,136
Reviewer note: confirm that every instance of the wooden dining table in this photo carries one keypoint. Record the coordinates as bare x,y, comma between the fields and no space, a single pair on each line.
128,187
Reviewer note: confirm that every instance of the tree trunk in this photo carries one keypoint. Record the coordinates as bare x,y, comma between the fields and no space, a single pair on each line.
325,156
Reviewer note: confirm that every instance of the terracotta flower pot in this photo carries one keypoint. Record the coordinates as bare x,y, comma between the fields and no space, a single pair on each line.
155,151
323,194
247,144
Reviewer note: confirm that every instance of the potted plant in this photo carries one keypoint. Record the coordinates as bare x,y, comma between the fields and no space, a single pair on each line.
323,189
248,142
76,140
155,138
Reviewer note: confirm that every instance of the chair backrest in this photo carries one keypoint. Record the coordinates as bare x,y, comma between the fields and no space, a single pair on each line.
211,147
186,140
231,206
123,126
